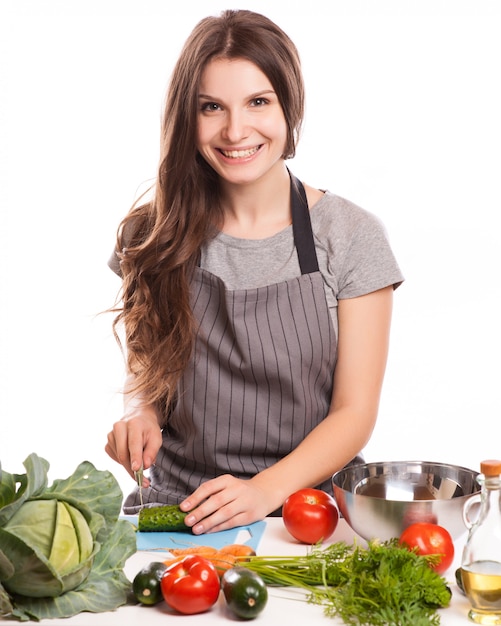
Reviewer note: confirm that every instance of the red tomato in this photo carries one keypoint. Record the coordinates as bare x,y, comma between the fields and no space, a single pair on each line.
310,515
191,585
430,539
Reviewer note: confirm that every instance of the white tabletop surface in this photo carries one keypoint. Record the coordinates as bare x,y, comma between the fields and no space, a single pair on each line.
284,605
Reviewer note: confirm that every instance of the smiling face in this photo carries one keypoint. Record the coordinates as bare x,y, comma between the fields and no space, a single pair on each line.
241,128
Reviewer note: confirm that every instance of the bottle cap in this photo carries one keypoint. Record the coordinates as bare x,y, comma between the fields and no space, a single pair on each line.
490,467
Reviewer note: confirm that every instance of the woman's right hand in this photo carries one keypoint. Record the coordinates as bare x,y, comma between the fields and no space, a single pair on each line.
135,440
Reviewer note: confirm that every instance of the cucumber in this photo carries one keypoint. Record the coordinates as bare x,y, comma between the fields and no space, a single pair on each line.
167,518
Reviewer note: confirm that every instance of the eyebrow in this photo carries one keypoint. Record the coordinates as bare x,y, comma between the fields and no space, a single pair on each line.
249,97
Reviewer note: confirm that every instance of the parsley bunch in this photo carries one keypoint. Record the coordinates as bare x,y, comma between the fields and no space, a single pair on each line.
384,584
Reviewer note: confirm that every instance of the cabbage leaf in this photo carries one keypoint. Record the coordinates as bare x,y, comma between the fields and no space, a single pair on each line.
99,498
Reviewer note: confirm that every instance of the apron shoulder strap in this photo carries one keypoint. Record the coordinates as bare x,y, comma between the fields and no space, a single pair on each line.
301,228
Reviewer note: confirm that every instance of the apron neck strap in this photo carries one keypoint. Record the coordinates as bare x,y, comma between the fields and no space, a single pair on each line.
301,228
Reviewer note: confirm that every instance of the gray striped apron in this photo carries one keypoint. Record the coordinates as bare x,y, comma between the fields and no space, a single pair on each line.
260,378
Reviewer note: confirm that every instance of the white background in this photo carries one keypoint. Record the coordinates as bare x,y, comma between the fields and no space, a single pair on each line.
403,118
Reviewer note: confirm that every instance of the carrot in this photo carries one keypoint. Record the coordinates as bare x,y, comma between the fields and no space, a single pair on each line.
223,559
220,560
239,550
201,550
223,562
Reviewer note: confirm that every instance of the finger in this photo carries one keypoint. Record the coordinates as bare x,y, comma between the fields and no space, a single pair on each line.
151,448
216,510
238,520
112,448
222,519
209,489
118,446
131,445
136,458
117,438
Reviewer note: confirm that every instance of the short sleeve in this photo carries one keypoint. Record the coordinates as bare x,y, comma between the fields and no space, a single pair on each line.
369,262
355,255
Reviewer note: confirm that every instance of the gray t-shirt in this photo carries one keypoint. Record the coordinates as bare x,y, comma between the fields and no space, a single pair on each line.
352,246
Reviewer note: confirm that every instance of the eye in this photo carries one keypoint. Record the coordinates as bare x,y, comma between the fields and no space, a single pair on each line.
259,102
210,106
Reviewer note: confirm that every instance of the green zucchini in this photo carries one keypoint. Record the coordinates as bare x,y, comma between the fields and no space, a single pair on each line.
245,592
146,584
166,518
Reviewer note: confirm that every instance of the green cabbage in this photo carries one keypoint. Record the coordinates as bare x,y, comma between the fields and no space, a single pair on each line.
63,547
59,537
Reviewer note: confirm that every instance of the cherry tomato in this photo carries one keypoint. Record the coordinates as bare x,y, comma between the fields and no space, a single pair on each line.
429,538
310,515
191,585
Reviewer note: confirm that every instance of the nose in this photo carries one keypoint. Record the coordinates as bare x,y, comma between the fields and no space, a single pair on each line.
235,128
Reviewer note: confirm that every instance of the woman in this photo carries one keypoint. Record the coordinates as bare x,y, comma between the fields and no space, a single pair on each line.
256,309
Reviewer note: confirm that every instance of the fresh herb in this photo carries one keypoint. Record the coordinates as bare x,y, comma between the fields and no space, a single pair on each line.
384,584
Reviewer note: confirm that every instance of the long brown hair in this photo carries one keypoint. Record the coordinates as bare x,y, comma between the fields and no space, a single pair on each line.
159,242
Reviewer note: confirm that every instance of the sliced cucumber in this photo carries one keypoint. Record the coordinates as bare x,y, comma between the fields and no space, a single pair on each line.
167,518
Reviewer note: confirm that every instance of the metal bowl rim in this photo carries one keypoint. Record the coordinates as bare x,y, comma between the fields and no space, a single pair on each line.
346,471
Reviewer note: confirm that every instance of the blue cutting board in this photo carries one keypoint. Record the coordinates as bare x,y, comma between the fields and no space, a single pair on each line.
167,541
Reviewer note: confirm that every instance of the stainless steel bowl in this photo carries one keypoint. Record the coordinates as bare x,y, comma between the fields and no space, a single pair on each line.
379,500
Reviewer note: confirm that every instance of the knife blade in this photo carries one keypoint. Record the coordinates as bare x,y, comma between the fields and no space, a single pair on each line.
139,479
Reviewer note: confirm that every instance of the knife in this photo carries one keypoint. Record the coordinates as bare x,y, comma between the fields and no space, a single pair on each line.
139,479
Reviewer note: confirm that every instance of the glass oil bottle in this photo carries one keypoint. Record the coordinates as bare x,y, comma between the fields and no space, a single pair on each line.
481,559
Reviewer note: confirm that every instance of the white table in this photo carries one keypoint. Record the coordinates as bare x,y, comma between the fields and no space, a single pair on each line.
285,606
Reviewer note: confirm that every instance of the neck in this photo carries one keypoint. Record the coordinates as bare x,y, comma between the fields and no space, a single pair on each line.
259,209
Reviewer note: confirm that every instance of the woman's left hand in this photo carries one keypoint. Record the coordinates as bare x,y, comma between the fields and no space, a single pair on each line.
225,502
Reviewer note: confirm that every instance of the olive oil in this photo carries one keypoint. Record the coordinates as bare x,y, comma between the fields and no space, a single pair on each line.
481,561
482,585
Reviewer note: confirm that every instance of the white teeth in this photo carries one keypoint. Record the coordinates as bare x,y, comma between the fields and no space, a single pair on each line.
239,154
